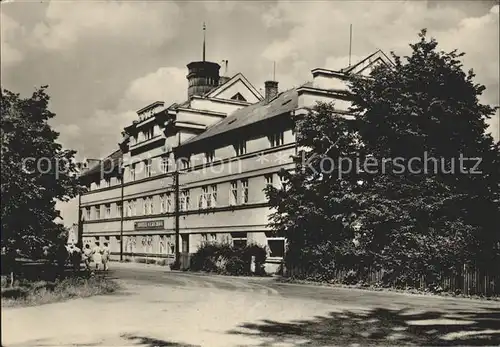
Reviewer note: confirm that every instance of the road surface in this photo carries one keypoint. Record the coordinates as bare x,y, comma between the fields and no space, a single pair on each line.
160,308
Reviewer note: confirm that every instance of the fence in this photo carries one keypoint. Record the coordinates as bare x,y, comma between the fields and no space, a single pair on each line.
470,281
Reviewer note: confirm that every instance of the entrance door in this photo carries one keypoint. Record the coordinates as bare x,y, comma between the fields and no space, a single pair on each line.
185,243
185,257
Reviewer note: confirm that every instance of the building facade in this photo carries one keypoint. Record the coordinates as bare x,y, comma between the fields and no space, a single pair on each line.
195,172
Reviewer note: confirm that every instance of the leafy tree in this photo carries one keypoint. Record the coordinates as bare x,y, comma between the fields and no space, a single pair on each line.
444,212
36,172
316,209
425,222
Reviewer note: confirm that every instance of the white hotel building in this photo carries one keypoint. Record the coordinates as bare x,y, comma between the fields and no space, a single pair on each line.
233,141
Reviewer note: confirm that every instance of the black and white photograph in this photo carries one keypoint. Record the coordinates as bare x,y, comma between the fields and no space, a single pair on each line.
250,173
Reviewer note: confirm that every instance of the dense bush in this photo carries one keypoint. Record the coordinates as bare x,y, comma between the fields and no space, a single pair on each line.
223,258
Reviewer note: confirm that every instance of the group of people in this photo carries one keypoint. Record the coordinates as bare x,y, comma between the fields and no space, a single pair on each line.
99,255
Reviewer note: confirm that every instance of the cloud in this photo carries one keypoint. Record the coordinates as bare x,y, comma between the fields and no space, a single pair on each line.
143,23
68,211
100,133
220,6
318,32
479,38
10,31
167,83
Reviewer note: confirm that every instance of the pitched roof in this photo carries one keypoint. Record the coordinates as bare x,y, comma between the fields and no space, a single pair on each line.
284,102
378,55
108,164
238,77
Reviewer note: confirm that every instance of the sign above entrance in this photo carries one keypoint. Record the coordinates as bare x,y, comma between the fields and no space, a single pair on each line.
148,225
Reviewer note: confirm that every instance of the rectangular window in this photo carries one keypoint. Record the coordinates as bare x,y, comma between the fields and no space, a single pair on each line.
282,182
128,209
209,156
108,211
275,245
276,139
145,206
151,206
244,191
163,203
132,172
203,203
212,202
147,167
118,209
240,147
87,213
269,179
239,239
185,163
184,200
134,207
169,203
164,164
98,212
233,193
204,238
149,134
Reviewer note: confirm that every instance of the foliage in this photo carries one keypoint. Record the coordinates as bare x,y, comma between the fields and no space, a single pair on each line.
36,172
223,258
29,293
411,224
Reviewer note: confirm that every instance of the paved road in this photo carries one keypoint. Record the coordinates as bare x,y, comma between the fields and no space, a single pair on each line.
151,274
159,308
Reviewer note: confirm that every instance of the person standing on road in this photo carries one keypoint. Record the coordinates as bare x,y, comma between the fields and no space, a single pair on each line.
87,256
75,256
97,254
105,256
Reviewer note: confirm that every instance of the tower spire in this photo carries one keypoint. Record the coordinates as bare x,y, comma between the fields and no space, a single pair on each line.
204,29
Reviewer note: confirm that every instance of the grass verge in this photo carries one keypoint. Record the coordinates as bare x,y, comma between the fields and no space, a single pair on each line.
26,293
385,289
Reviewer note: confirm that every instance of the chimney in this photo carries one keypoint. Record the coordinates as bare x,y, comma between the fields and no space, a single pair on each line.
223,79
271,88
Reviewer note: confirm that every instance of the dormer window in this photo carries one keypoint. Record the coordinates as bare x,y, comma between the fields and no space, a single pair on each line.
209,156
183,163
238,97
276,139
149,134
240,147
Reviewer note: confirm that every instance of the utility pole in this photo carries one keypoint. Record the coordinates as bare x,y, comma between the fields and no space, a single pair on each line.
80,222
350,44
204,38
177,210
121,215
177,207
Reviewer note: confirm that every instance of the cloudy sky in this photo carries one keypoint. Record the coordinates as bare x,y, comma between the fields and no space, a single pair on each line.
104,60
